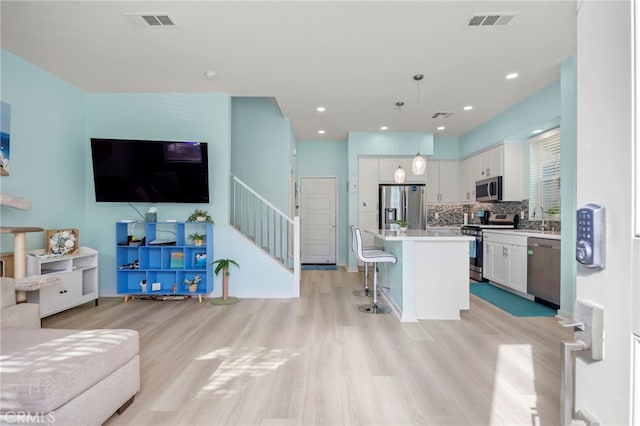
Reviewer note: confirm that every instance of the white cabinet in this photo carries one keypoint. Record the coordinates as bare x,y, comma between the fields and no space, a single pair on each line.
506,160
505,259
388,166
468,179
78,280
368,184
443,181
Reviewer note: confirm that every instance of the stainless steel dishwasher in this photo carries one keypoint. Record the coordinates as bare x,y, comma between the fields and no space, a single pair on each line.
543,269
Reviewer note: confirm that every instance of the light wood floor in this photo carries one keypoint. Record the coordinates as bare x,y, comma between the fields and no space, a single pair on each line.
318,361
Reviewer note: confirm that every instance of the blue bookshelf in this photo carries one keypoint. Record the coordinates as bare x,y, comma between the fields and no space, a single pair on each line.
162,255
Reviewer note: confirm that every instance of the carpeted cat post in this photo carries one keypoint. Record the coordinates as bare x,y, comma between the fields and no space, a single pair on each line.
223,265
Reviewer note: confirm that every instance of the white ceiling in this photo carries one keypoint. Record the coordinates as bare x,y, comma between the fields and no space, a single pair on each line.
355,58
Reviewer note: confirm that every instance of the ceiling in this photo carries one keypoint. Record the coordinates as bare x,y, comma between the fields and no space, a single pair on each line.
356,59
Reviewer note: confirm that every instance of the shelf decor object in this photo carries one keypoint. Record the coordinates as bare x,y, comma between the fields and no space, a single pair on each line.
176,259
61,241
199,215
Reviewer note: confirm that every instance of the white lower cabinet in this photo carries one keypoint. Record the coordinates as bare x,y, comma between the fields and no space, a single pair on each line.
505,260
78,284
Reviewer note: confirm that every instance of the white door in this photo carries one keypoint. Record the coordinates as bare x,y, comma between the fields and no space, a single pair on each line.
318,220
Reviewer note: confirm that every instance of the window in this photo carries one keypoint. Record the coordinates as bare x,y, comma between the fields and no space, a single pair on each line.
544,175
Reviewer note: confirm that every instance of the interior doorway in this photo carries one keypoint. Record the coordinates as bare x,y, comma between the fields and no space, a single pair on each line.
318,220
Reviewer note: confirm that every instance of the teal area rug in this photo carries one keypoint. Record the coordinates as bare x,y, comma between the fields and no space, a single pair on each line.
509,302
319,267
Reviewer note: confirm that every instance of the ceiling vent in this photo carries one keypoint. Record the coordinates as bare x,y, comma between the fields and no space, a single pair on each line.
151,20
442,115
490,19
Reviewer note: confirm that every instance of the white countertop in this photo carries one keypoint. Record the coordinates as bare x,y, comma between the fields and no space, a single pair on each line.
431,234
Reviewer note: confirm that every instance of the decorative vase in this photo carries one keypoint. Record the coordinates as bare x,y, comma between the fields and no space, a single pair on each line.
403,229
193,288
198,242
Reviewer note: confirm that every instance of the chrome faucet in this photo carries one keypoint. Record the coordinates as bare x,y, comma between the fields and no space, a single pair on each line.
542,224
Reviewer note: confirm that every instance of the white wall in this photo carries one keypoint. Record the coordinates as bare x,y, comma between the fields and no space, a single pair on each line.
604,176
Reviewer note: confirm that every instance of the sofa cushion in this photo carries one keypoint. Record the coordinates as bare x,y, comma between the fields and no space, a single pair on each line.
41,369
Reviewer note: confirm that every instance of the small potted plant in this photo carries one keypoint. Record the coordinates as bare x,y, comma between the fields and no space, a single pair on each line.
402,224
198,239
199,215
223,265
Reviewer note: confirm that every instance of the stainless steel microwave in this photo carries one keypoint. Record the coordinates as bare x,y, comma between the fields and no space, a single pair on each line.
489,189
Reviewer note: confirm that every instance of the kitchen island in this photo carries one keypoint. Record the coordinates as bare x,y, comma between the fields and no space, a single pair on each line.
431,277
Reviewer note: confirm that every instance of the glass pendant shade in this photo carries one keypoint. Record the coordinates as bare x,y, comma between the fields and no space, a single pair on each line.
418,165
399,175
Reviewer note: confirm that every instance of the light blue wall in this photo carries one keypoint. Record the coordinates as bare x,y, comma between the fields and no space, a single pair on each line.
446,148
262,146
328,159
50,162
568,176
202,117
539,111
47,151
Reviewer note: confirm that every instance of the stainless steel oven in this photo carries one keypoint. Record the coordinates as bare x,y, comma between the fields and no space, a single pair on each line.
476,255
475,251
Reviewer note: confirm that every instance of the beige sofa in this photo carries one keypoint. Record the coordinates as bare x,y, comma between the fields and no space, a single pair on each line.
65,377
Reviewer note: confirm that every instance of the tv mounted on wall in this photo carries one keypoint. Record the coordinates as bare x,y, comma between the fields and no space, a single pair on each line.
127,170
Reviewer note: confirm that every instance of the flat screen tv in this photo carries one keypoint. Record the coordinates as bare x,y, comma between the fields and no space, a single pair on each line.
126,170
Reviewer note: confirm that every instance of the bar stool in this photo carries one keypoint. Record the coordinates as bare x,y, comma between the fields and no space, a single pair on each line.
375,258
367,250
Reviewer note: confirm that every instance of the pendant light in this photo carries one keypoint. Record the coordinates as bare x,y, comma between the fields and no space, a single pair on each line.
399,174
419,164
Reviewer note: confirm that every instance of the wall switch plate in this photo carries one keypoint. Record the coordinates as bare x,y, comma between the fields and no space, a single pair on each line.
155,286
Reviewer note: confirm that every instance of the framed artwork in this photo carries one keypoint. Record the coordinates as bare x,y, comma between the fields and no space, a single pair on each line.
177,260
5,134
200,260
61,241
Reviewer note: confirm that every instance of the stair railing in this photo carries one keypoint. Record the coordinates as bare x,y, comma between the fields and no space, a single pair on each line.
265,225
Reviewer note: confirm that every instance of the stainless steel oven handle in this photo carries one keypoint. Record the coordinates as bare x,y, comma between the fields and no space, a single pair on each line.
489,189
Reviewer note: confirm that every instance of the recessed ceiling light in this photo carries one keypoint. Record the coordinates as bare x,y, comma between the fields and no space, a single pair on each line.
321,132
321,109
210,74
468,108
535,132
384,128
511,75
441,128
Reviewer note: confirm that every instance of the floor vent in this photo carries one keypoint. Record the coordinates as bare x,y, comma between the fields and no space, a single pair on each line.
490,19
442,115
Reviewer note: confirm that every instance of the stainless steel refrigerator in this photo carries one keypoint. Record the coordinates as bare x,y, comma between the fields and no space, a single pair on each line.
402,202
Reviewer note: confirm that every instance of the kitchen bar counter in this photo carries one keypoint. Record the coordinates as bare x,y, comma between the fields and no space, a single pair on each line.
431,277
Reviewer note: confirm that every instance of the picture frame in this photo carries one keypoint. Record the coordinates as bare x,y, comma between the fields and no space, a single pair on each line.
62,241
200,260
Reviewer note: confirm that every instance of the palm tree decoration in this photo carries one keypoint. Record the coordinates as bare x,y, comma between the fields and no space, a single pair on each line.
223,265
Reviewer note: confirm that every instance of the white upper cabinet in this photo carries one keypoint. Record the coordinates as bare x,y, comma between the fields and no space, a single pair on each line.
443,181
506,160
368,184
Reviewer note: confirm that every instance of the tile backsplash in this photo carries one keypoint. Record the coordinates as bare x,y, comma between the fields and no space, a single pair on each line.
453,214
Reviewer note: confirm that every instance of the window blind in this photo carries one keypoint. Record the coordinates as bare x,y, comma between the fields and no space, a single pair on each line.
544,175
